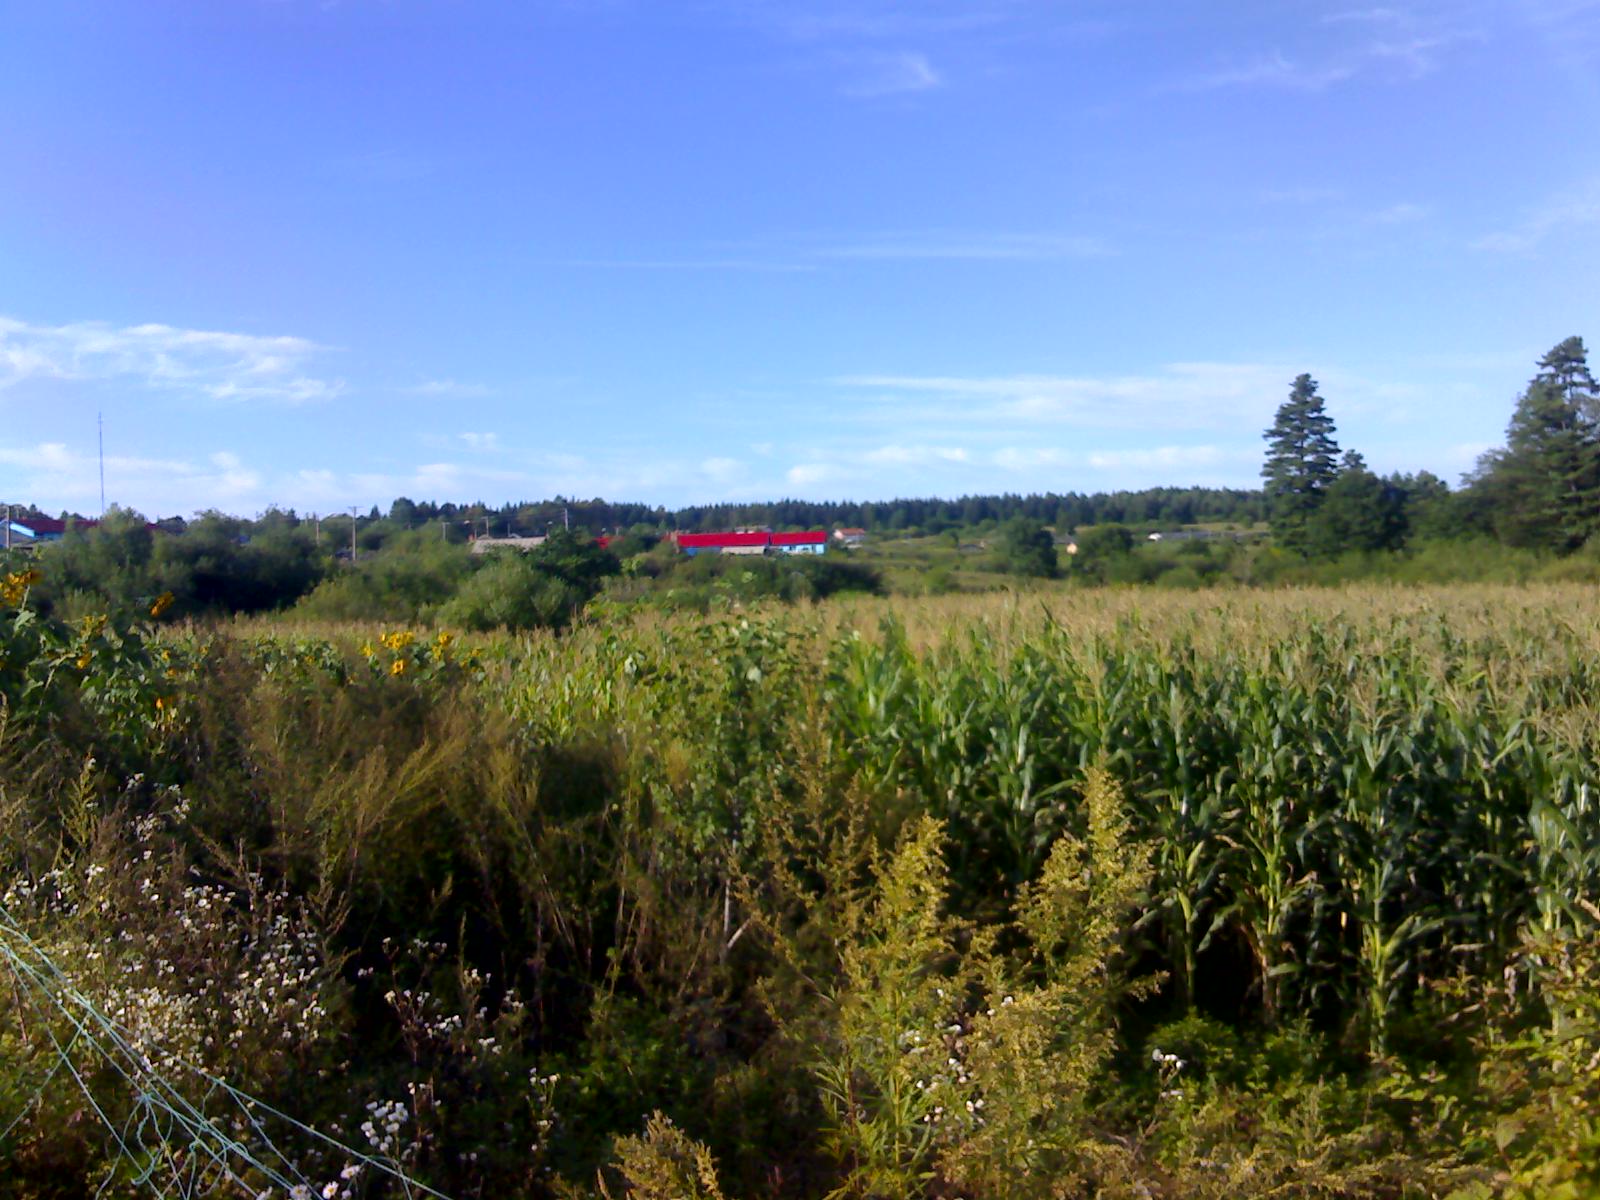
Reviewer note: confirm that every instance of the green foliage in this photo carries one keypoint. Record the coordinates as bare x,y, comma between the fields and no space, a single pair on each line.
1282,894
1359,512
511,593
214,566
663,1164
1103,552
407,581
543,589
1027,548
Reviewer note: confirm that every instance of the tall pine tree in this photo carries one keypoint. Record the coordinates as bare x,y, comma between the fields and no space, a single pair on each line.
1543,487
1302,460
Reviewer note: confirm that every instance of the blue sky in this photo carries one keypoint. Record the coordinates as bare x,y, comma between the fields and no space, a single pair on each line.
322,254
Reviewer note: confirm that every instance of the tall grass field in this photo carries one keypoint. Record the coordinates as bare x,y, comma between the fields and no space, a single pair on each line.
1068,894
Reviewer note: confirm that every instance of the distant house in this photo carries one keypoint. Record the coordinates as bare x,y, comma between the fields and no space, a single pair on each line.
694,544
45,529
813,541
850,538
484,545
15,537
755,541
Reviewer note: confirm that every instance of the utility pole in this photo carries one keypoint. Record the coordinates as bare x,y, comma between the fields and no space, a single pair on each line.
8,527
353,535
317,521
566,518
100,421
444,531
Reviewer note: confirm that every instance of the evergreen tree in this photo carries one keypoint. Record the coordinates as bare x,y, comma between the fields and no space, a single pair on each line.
1300,466
1543,488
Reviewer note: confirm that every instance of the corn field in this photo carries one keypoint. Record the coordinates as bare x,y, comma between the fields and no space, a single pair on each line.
1266,894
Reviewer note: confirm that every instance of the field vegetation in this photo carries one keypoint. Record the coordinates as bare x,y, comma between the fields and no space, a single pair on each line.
1083,892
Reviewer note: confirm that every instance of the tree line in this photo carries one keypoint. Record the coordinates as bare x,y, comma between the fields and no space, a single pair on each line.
1540,491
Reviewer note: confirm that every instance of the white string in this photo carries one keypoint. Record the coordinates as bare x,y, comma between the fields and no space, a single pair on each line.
204,1156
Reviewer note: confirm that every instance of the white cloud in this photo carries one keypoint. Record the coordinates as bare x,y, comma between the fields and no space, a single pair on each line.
1388,42
1273,70
805,474
480,441
154,485
908,456
219,366
1184,395
817,251
722,470
1366,16
860,20
1574,208
1159,458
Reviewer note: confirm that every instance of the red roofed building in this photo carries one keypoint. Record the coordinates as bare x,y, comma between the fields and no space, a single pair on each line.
756,542
48,529
723,543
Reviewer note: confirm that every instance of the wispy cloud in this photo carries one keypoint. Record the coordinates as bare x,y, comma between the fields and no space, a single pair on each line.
872,20
233,367
1273,69
953,245
893,74
1407,42
1300,195
164,485
812,252
722,470
449,387
807,474
1365,16
1159,458
908,456
1573,208
1403,213
1183,395
691,263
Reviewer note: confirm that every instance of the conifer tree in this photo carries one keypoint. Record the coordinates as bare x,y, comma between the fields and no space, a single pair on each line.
1301,463
1543,487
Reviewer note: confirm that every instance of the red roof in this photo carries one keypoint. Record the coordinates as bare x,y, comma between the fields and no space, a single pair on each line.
722,541
43,525
812,537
